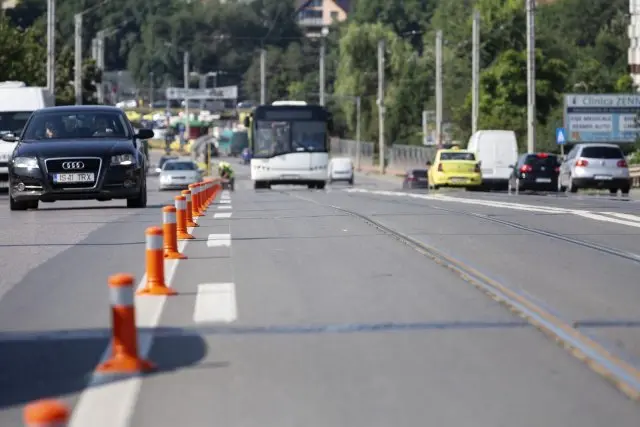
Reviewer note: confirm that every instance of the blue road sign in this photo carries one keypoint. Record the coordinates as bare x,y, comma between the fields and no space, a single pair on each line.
561,136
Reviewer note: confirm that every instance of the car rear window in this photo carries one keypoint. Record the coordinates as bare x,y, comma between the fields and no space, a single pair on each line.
419,173
534,160
179,166
602,153
457,156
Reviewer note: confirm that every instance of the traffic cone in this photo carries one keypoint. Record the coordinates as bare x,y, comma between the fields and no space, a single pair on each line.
46,413
181,218
155,265
189,211
124,342
170,233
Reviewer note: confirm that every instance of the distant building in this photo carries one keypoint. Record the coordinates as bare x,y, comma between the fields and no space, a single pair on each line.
313,15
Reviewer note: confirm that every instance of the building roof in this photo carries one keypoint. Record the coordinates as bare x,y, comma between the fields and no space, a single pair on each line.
343,4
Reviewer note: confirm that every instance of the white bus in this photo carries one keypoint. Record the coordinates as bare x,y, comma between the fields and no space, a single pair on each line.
289,143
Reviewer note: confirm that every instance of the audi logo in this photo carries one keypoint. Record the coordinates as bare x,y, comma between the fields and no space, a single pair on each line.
72,165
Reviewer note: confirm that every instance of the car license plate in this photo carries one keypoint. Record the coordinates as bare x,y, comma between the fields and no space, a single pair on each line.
543,180
603,177
290,176
458,180
488,171
63,178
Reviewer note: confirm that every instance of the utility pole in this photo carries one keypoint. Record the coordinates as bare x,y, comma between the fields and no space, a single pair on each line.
263,77
531,76
358,148
381,111
439,87
51,47
475,70
77,81
100,63
185,70
151,89
323,47
425,129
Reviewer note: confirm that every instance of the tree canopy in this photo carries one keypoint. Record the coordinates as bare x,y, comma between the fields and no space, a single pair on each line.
581,47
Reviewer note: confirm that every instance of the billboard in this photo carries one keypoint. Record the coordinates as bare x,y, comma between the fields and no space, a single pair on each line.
222,92
601,117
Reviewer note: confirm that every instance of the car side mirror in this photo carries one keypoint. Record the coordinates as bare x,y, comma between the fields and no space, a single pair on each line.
144,134
9,137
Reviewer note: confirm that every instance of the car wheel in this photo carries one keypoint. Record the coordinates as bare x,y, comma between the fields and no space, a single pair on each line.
351,181
141,200
613,191
32,204
17,206
625,191
572,187
321,185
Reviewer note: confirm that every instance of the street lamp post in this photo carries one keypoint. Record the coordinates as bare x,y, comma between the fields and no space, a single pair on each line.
323,47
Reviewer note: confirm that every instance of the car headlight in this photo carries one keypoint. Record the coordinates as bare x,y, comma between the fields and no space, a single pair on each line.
122,160
26,162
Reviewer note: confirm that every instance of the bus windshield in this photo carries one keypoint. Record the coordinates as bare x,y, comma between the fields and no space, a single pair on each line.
280,137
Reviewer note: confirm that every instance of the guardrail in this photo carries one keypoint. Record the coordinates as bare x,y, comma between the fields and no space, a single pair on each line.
634,172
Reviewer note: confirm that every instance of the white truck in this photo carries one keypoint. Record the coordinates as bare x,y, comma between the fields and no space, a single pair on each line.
497,151
17,102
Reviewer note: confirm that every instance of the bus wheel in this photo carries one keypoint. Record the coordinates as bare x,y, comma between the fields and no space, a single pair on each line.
320,185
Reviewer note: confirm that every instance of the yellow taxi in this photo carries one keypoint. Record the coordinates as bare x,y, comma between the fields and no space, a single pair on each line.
454,167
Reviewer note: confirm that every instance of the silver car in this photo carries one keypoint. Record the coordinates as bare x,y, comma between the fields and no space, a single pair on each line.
595,165
178,174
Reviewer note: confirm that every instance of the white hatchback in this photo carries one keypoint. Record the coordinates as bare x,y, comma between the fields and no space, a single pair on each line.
341,169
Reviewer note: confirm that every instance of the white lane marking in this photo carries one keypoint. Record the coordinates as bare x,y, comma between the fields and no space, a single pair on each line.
112,404
224,202
218,240
623,216
224,207
597,216
221,215
225,195
603,218
215,302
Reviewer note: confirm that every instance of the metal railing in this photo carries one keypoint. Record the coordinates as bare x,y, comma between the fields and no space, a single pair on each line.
399,158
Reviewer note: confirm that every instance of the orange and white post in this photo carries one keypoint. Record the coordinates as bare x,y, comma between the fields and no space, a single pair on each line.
155,264
195,199
181,218
187,196
124,341
46,413
200,205
170,233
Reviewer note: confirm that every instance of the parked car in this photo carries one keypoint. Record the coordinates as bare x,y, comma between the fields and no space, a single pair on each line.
416,178
595,165
535,171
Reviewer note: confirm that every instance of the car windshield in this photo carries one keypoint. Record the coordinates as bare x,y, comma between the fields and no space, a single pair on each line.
277,137
419,173
602,153
179,166
164,160
13,122
545,161
457,156
55,125
272,138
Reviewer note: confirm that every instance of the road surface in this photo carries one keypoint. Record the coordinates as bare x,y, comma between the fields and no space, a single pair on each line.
293,310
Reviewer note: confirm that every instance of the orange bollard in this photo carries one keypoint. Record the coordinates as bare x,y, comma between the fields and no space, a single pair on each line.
207,193
181,219
195,198
155,264
124,343
189,211
201,207
46,413
170,233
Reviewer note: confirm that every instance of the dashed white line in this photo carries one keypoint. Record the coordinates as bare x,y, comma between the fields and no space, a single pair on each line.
215,302
224,207
224,202
222,215
595,216
218,240
623,216
112,404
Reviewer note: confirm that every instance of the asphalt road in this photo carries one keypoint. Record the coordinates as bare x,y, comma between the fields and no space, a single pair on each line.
292,312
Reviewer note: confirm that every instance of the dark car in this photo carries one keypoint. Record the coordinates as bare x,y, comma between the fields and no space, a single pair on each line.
537,172
416,178
78,153
162,161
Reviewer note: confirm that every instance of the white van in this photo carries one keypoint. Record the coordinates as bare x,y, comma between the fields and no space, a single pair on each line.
497,151
340,169
17,102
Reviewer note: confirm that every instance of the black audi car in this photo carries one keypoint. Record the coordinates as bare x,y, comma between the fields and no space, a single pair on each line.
78,153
